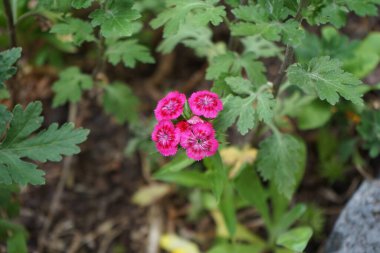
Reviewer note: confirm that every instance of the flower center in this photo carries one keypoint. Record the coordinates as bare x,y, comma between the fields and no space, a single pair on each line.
206,101
164,137
170,106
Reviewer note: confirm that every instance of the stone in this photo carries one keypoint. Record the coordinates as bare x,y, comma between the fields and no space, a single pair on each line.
357,229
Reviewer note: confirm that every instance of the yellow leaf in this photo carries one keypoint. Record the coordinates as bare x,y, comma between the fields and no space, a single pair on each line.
147,195
236,158
175,244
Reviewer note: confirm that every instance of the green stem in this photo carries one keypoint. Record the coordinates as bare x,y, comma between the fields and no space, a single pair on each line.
289,54
10,20
27,15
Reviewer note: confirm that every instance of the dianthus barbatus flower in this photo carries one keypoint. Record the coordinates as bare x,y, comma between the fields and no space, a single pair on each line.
171,106
182,126
205,103
167,137
199,141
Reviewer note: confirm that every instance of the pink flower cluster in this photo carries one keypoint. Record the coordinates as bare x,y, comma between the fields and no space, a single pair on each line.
195,134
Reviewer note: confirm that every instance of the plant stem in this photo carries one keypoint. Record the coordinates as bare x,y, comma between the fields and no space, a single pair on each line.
10,21
289,54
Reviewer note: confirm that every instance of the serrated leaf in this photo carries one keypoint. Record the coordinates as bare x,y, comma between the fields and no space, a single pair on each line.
255,69
369,130
81,4
324,76
201,12
21,172
233,64
5,117
240,85
119,101
128,52
117,20
24,123
50,145
7,59
251,13
295,239
245,110
363,7
5,177
197,38
221,64
78,30
260,47
281,160
70,86
265,105
240,110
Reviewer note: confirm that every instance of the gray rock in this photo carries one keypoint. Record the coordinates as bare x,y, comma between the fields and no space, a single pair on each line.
358,227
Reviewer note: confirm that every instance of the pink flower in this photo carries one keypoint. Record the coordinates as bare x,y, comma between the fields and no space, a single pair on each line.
171,106
195,120
182,126
166,137
205,103
199,141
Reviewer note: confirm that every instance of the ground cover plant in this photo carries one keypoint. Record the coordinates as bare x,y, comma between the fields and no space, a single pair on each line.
211,126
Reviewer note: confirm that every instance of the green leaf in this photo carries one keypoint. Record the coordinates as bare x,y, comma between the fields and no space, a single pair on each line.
23,123
233,64
197,38
181,161
254,20
240,85
5,117
281,160
363,7
119,101
200,12
269,31
70,86
295,239
220,64
7,59
47,145
81,4
128,52
79,30
17,243
236,248
217,174
365,57
369,130
55,5
260,47
5,177
51,144
117,20
249,187
313,115
240,109
324,77
289,218
227,208
186,178
246,111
